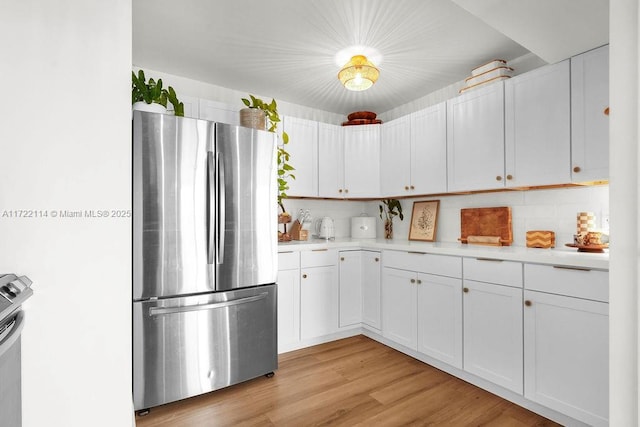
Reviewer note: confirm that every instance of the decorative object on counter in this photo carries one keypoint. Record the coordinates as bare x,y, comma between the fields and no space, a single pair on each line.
358,74
363,227
484,240
424,221
586,221
490,72
589,248
486,222
284,218
541,239
151,96
388,209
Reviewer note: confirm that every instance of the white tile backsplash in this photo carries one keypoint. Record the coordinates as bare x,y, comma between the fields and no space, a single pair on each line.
551,209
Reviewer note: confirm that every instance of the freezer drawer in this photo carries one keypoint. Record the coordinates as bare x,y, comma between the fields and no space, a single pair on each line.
187,346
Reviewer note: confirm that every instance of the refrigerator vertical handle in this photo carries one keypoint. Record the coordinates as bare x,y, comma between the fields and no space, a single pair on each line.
221,209
211,207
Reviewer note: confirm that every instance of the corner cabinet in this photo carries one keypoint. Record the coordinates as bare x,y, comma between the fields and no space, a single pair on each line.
303,148
589,118
538,127
361,161
566,346
413,156
475,139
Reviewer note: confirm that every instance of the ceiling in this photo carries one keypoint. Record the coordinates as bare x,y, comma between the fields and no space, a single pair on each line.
287,49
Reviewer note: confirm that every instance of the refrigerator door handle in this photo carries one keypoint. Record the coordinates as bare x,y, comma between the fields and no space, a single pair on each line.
221,209
158,311
211,206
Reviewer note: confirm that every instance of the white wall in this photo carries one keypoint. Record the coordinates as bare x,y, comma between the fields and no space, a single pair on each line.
65,145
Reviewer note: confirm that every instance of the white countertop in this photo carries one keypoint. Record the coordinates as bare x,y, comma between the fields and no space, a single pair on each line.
559,256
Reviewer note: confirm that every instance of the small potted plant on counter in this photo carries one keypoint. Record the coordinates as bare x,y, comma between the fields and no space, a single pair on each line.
388,209
151,96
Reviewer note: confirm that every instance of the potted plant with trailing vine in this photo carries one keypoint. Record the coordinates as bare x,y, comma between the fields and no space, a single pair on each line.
270,113
152,93
389,209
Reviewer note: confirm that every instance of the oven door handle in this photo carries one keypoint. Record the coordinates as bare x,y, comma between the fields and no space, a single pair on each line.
13,334
158,311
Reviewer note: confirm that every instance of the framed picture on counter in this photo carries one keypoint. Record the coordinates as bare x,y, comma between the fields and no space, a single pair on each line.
424,221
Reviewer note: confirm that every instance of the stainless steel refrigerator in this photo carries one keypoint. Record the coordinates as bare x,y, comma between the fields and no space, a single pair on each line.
204,257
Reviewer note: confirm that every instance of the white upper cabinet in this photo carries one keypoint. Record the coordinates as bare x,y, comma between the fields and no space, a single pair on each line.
395,158
475,139
361,161
590,124
537,127
330,161
413,157
429,150
303,148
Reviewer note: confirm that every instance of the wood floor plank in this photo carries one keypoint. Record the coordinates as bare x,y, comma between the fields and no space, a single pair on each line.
350,382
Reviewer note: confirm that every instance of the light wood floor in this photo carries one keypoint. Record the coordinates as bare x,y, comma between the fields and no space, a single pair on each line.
351,382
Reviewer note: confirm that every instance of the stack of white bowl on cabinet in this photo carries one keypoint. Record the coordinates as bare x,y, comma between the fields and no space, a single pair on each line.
490,72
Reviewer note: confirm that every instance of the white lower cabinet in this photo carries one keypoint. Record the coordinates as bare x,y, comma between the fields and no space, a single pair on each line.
566,345
440,318
371,290
350,294
288,300
318,293
399,308
493,333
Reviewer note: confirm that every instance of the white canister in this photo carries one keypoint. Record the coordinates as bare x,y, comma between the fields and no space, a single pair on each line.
363,227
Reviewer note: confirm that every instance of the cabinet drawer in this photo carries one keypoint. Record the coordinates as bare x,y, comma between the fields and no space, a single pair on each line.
576,282
288,260
318,258
441,265
493,271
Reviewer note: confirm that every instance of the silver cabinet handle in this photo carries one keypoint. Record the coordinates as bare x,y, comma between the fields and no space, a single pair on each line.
489,259
562,267
158,311
319,250
416,253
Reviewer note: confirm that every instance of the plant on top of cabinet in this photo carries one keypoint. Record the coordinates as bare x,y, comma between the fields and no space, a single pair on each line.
270,111
152,92
389,209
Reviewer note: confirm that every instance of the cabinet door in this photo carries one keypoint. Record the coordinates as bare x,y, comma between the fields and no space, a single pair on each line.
566,355
330,161
350,288
191,106
395,158
440,318
318,301
362,161
493,333
288,309
537,127
371,289
399,307
303,148
589,123
475,139
429,150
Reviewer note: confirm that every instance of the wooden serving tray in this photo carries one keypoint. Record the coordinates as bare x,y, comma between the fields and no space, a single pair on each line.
486,222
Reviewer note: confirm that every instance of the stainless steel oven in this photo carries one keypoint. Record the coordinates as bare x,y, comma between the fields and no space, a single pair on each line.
13,292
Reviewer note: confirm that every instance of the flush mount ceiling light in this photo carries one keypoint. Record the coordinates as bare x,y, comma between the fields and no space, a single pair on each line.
358,74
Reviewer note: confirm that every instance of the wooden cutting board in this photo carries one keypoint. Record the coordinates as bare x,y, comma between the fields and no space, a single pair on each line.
486,222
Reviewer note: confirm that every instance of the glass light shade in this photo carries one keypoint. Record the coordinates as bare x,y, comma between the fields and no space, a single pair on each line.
359,73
